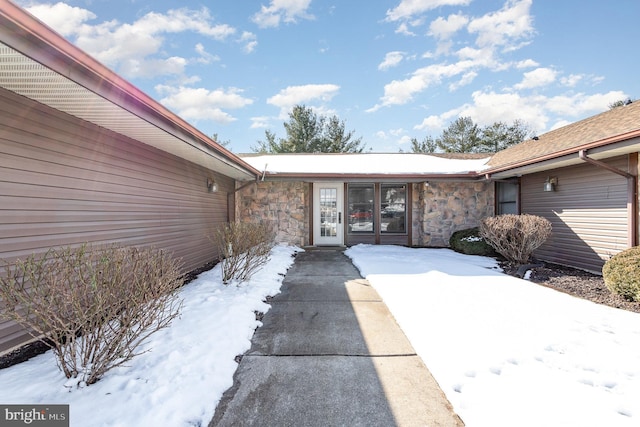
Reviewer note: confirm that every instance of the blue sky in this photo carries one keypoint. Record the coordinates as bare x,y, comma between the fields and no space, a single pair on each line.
392,70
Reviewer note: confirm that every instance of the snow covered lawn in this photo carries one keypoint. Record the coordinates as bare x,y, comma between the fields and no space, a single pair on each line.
187,369
505,351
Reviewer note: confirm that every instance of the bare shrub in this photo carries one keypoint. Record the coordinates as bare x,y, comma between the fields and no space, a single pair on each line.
515,236
243,248
92,306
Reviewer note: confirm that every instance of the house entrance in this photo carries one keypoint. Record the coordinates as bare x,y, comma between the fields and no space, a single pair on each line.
328,214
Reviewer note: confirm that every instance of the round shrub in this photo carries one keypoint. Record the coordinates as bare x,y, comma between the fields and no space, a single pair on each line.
621,274
515,237
470,242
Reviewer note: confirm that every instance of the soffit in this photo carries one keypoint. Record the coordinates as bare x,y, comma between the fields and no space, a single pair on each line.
26,77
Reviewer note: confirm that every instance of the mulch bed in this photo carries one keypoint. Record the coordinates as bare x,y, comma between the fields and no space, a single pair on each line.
575,282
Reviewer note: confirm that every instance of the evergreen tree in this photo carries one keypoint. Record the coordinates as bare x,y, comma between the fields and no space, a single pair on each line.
500,135
427,145
462,136
310,133
336,140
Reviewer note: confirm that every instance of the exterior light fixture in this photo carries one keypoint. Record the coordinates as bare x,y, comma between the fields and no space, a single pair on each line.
212,186
550,184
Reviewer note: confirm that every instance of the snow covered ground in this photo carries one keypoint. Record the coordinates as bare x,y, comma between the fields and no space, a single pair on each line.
505,351
187,369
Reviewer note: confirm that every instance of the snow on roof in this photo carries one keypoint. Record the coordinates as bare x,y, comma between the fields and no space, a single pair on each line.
364,163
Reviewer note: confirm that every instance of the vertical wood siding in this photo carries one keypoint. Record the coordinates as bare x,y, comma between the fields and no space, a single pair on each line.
64,182
588,212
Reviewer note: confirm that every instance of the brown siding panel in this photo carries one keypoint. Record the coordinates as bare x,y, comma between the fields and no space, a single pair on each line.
588,212
64,182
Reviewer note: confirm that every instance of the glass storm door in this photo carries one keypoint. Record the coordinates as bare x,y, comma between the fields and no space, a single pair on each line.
328,215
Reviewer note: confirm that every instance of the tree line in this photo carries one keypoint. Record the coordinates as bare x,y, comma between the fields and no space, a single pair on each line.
465,136
307,132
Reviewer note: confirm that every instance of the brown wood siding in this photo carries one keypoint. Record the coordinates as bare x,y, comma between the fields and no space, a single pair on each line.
588,212
64,182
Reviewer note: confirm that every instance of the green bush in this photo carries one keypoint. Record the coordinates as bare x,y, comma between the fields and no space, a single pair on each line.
621,274
94,306
515,237
470,242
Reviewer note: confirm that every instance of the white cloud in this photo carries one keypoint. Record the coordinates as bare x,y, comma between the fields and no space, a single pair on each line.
466,79
498,31
381,134
399,92
481,57
203,104
287,98
571,80
559,124
445,28
502,28
287,11
404,139
205,57
527,63
63,18
536,111
537,78
434,123
261,122
404,29
580,104
180,20
174,65
490,107
391,59
408,9
127,47
250,41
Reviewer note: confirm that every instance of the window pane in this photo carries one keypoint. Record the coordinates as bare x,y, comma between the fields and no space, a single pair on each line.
393,208
360,213
507,198
328,212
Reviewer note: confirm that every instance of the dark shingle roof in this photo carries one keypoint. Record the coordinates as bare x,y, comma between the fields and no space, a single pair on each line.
612,123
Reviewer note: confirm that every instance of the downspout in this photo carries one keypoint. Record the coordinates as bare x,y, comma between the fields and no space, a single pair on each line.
231,197
632,191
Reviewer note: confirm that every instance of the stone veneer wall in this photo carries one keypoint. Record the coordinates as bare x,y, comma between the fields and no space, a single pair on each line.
441,208
285,204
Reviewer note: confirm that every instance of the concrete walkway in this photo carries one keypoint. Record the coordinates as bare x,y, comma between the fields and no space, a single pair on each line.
330,353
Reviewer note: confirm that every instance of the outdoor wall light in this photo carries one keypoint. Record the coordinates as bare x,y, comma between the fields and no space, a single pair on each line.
550,184
212,186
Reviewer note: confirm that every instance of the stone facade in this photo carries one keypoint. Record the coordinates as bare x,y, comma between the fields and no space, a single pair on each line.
285,204
442,208
438,209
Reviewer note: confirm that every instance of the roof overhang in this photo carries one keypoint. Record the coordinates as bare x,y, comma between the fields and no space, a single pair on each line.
611,147
387,178
38,63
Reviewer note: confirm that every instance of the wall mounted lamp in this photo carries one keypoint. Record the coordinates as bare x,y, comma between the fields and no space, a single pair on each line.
550,184
212,186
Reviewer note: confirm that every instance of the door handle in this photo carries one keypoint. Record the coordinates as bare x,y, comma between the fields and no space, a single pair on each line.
339,217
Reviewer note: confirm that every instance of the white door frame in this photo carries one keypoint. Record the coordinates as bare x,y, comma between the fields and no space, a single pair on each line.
328,213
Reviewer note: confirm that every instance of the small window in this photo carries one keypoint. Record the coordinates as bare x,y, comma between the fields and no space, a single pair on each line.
506,198
393,208
360,212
